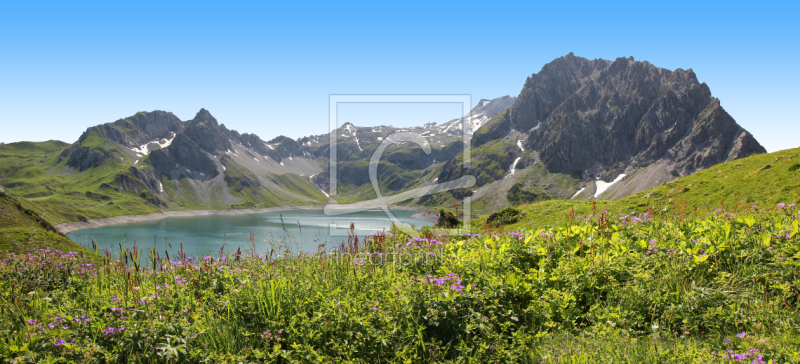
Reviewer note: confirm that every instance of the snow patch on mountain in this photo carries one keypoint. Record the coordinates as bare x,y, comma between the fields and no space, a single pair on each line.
163,143
603,186
578,193
513,167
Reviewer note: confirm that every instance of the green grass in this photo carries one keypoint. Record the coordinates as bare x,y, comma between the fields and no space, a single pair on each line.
23,231
599,291
733,186
16,156
64,196
569,282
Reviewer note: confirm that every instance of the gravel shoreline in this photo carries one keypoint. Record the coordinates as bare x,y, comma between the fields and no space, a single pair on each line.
66,228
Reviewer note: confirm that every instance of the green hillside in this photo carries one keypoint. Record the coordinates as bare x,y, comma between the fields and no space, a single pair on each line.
756,182
23,231
37,173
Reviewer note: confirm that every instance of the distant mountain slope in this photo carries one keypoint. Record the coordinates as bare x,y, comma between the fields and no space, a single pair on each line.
153,161
600,121
579,129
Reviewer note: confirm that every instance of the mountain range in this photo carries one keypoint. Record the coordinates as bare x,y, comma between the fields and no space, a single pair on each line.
581,129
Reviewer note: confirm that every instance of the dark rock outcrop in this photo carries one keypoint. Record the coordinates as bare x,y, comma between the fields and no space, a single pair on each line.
204,131
183,158
138,129
600,115
83,158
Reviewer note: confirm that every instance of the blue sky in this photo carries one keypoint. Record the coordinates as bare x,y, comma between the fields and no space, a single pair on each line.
268,68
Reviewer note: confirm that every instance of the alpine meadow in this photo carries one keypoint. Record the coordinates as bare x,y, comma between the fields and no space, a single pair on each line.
399,183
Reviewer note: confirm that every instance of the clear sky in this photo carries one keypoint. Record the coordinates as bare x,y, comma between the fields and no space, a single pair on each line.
269,67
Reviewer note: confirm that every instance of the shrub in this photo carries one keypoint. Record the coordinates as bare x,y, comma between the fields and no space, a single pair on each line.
506,216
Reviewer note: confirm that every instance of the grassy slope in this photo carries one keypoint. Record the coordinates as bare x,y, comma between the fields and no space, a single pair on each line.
58,193
23,231
675,291
61,194
734,185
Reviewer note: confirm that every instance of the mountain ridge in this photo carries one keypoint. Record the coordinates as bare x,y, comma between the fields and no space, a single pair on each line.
576,126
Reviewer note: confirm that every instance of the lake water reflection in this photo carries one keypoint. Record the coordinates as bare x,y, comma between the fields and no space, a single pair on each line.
204,235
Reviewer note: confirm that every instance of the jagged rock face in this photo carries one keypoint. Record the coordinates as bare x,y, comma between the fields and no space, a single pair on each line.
282,147
183,158
254,142
207,133
139,129
601,115
152,199
484,111
138,181
83,158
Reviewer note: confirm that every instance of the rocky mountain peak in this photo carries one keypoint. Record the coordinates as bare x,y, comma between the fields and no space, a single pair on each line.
206,132
203,116
601,115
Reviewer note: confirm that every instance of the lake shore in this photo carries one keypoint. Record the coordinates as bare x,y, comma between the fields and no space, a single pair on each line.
66,228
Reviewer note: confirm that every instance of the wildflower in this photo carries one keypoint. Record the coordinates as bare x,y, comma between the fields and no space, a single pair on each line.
374,308
59,343
48,299
741,335
781,205
64,327
32,321
31,293
51,326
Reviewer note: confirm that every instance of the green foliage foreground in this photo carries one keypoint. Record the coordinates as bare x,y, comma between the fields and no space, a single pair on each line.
612,288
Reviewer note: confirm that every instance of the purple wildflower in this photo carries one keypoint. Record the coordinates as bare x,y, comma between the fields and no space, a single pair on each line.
59,343
741,335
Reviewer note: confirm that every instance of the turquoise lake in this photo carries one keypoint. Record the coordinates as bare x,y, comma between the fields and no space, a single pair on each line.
206,235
